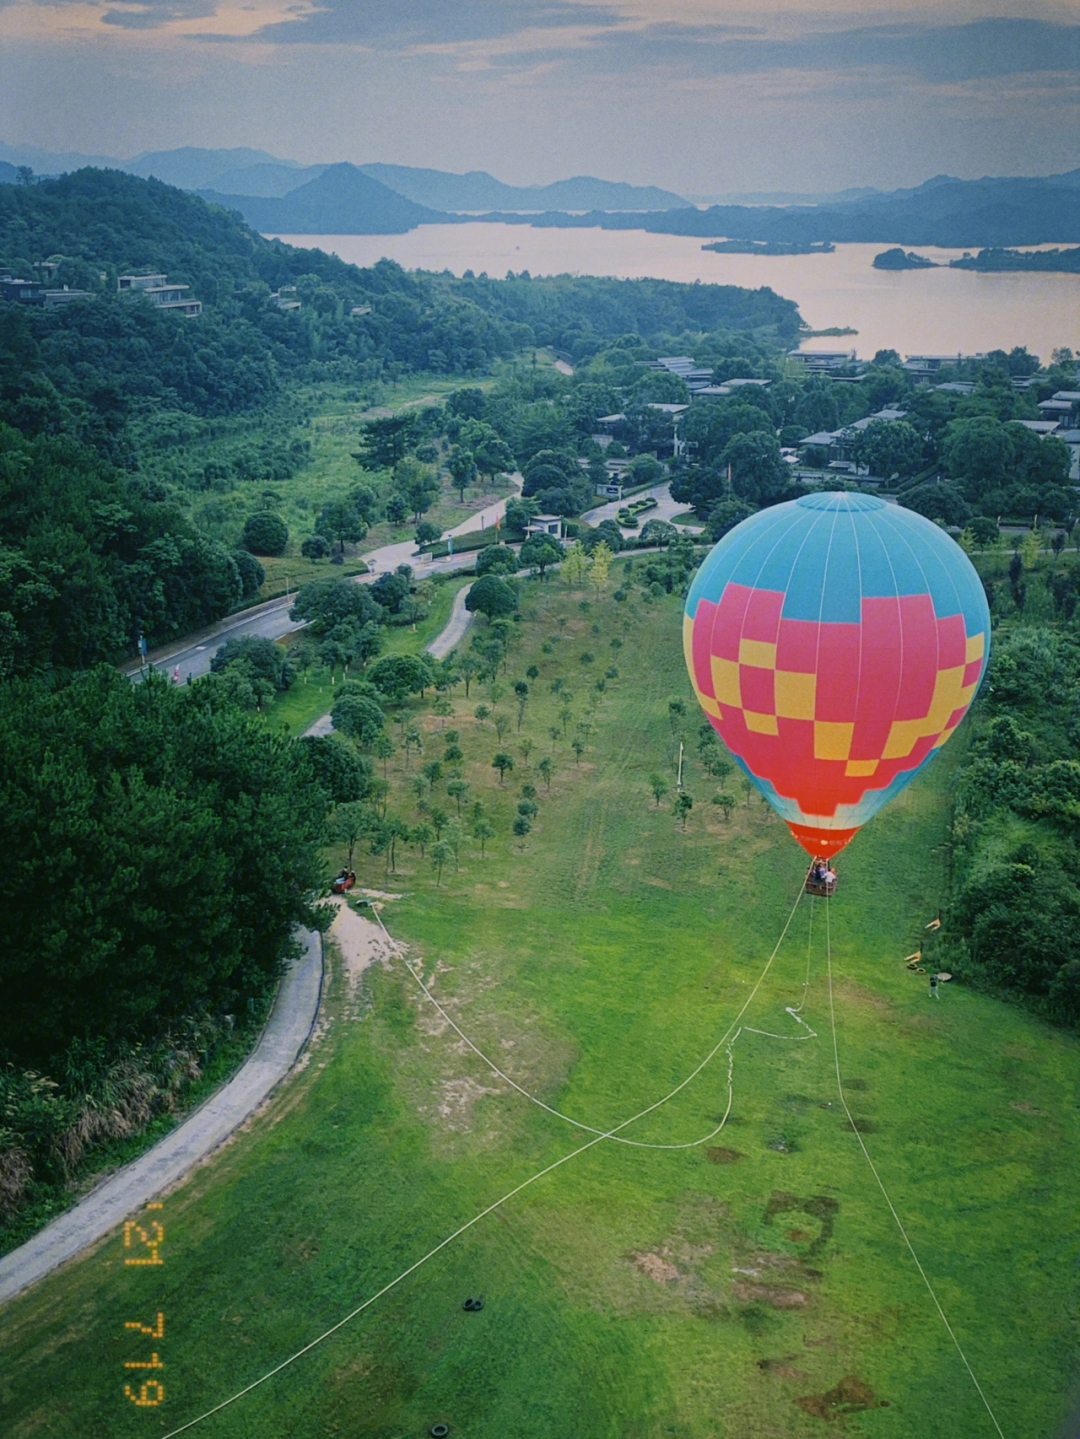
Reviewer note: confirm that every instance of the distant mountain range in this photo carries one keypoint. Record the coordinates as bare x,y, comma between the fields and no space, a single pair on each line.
278,196
341,200
257,174
958,214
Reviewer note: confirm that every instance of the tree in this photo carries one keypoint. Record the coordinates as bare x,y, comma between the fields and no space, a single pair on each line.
491,596
890,448
417,484
399,676
488,448
659,786
432,772
265,533
496,560
326,603
539,552
726,802
502,724
684,803
502,762
258,658
545,767
341,773
383,749
483,830
427,534
183,833
341,521
348,824
440,853
462,467
526,748
658,532
575,565
315,547
522,826
358,716
578,746
24,175
458,790
942,502
600,566
385,441
726,514
252,573
758,472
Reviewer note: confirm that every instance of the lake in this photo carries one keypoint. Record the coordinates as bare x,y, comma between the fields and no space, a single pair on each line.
914,311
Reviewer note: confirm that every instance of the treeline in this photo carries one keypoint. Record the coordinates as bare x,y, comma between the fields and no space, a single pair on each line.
160,848
1012,923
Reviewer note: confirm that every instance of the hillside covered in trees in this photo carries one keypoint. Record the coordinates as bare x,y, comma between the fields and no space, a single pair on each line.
96,548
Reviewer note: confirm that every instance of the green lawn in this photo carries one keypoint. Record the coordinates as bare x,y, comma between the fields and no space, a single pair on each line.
696,1292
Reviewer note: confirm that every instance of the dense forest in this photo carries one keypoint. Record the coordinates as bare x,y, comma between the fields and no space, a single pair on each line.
1013,921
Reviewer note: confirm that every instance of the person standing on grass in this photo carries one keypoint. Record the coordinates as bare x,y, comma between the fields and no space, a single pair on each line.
934,986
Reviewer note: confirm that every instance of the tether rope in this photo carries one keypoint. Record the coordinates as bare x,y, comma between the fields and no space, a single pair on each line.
885,1192
728,1043
598,1138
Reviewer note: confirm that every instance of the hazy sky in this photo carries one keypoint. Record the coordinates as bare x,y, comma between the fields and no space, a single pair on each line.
701,96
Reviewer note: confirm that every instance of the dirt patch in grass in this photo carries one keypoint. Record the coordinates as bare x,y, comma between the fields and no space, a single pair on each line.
1022,1106
715,1155
457,1099
656,1267
851,1396
776,1296
821,1206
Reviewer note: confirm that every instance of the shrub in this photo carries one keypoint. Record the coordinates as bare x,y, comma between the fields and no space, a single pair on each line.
265,533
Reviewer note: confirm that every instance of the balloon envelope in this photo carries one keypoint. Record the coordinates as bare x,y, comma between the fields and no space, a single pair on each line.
835,642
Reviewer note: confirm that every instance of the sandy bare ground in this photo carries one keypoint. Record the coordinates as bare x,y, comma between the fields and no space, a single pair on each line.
118,1197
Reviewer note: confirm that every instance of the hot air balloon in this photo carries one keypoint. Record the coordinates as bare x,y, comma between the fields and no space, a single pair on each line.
835,643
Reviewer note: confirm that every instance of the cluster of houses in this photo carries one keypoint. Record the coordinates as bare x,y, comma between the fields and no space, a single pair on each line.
154,288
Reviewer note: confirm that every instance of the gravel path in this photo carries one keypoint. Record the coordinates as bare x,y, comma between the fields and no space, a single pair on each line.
452,634
127,1190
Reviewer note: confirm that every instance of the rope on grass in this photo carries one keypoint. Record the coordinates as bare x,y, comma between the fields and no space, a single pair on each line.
598,1138
885,1192
621,1139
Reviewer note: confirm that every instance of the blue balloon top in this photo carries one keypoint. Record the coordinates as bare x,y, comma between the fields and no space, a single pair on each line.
826,552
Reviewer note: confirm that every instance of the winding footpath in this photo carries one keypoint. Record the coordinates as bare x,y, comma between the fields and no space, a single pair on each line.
280,1046
116,1198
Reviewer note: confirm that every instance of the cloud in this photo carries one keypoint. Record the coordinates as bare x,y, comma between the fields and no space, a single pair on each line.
939,54
397,24
158,13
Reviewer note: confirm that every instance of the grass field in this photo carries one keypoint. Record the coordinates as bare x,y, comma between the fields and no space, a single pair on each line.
751,1287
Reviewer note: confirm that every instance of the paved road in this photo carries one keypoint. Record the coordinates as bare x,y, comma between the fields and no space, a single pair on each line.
190,658
192,655
120,1196
666,507
453,632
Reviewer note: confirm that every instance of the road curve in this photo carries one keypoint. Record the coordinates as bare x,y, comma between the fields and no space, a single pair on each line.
285,1035
448,638
453,632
